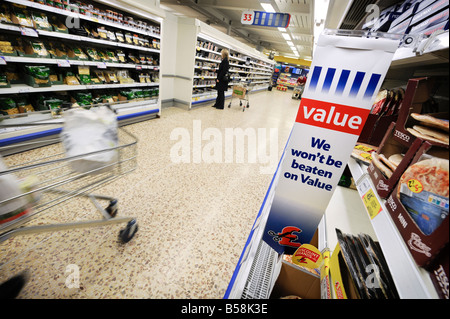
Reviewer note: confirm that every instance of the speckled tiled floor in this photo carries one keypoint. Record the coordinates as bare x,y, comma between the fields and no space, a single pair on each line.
194,218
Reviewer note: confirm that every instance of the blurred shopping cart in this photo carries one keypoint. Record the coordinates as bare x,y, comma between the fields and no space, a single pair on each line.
51,180
241,91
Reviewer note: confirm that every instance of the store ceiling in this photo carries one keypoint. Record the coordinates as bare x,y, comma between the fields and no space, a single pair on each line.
225,15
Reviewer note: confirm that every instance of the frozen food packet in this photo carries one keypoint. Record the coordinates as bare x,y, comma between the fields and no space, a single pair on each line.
423,190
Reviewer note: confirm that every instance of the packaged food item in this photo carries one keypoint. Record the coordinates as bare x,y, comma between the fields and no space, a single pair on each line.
84,74
5,13
128,38
423,190
93,54
111,56
70,78
121,56
99,74
23,104
429,120
124,77
110,76
77,53
37,47
120,37
6,47
58,25
83,99
41,21
103,33
37,75
21,16
111,36
4,80
8,106
133,58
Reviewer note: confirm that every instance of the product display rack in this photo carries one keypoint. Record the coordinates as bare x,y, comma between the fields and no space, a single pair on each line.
198,57
137,55
259,265
248,69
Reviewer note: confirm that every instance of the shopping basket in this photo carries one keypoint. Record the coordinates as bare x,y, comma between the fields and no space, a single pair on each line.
54,181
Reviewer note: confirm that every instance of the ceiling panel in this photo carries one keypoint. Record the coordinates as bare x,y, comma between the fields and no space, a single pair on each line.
225,15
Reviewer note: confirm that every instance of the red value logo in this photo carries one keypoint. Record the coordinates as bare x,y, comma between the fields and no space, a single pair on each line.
342,118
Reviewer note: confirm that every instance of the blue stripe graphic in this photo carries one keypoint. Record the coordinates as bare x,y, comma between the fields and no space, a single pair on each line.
374,79
328,80
315,77
357,83
342,82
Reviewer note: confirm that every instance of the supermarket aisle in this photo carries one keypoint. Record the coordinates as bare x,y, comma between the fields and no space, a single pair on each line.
194,218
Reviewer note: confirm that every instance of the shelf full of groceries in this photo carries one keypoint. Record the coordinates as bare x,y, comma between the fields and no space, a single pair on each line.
62,54
402,157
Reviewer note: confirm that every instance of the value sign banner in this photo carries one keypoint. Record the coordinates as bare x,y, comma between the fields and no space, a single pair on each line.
346,74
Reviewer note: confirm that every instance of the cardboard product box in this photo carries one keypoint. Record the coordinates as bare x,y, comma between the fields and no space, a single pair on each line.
439,273
389,147
417,92
383,113
341,281
295,282
427,233
427,9
432,20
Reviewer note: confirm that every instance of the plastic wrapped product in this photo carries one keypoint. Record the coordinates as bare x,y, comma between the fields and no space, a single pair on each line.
87,131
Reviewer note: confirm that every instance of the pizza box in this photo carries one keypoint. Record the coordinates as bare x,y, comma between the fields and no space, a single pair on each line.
418,91
388,147
423,243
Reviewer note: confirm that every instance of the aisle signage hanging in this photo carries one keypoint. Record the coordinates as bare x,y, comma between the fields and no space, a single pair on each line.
266,19
345,76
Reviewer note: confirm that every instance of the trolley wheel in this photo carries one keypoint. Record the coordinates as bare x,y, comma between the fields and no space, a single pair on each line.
128,232
243,109
229,105
240,103
248,105
112,208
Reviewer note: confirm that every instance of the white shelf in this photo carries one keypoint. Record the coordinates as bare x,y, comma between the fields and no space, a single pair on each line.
23,88
47,8
412,282
67,36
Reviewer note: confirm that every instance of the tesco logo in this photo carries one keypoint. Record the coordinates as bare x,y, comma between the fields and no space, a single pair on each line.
338,117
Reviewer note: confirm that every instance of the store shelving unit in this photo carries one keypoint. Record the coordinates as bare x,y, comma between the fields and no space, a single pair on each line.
132,111
198,58
259,265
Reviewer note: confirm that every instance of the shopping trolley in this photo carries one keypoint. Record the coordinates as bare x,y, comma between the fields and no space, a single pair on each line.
51,180
298,91
241,92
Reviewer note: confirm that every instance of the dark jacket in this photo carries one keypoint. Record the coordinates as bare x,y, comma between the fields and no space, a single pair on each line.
223,69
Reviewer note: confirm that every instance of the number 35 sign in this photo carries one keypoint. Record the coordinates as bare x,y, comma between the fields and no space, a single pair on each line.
247,17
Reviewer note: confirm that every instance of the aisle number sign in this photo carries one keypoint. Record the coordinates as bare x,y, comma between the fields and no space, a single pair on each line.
266,19
346,74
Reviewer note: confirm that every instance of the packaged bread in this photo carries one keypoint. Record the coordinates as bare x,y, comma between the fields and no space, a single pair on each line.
423,190
8,106
429,120
376,160
71,79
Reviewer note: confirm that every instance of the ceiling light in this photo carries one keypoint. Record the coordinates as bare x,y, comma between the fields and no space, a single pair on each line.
290,43
267,7
286,36
282,29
